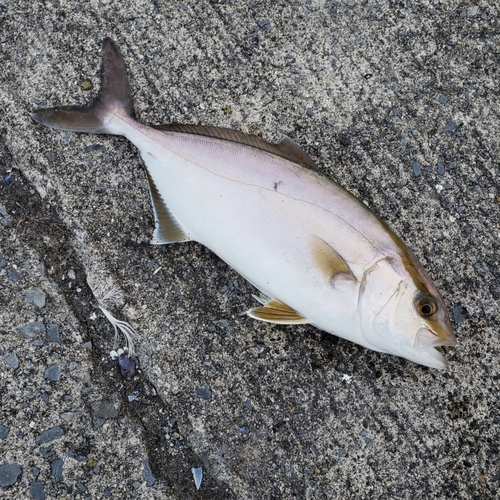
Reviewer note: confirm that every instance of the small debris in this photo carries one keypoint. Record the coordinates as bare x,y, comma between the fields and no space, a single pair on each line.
7,181
147,474
133,396
127,366
198,476
346,378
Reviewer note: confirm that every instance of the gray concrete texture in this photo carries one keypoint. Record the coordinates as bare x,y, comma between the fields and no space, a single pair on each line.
396,100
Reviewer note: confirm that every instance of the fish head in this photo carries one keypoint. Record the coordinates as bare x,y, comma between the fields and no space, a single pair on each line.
405,316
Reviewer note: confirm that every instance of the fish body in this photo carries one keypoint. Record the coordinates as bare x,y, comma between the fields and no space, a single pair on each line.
314,251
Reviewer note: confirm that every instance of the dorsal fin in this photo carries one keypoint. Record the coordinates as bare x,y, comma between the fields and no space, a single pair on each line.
287,148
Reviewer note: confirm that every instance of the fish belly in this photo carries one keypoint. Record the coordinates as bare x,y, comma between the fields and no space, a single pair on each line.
253,210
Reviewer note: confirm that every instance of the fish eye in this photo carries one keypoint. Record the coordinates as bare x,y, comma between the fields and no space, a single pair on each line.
426,306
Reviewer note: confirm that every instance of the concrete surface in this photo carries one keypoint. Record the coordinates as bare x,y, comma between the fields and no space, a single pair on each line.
397,101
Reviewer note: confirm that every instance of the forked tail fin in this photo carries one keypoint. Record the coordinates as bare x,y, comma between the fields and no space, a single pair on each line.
112,102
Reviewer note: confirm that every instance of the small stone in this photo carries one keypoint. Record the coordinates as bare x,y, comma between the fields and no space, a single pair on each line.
203,393
7,222
460,314
341,453
54,334
49,435
440,169
310,112
36,471
50,156
442,99
147,474
13,276
47,451
81,487
31,330
416,169
9,474
452,125
72,366
37,491
68,416
478,190
11,360
104,409
344,140
38,298
56,468
52,373
4,431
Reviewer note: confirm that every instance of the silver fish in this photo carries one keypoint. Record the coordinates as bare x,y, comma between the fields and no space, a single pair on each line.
314,251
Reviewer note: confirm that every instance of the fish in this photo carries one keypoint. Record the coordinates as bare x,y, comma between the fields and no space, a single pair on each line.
316,254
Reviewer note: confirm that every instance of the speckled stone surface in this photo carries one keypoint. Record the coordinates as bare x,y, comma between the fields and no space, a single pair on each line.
397,101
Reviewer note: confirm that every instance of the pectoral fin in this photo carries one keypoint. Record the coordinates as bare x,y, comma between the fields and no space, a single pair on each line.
168,229
274,311
330,263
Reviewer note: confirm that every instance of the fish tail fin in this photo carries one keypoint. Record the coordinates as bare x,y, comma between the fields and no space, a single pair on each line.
106,113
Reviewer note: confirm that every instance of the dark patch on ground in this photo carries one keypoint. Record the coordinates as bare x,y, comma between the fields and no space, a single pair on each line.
38,225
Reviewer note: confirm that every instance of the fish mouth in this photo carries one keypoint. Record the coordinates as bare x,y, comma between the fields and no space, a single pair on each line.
429,342
427,339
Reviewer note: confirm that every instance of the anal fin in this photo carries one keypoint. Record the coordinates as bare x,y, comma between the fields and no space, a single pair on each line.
167,229
275,311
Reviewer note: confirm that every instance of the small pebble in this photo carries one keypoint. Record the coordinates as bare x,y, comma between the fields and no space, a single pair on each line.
81,487
37,491
4,431
49,435
9,474
31,330
460,314
54,334
37,298
52,373
452,125
11,360
203,393
13,276
56,469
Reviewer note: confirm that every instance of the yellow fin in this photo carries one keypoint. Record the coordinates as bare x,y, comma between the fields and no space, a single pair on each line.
274,311
331,264
167,230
